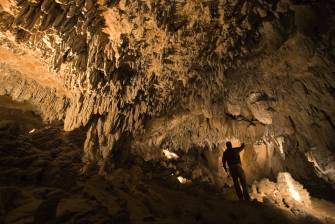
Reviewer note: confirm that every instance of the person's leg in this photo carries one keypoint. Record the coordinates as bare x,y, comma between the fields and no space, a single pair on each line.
244,184
236,184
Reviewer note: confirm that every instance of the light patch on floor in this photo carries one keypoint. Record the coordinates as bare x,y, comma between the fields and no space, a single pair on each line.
183,180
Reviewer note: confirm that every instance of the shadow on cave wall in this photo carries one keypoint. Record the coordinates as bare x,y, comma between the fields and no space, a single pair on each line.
18,117
40,182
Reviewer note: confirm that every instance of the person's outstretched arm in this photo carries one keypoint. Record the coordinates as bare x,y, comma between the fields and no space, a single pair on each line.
241,147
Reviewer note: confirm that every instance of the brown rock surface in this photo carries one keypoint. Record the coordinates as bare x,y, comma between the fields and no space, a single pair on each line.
40,183
142,76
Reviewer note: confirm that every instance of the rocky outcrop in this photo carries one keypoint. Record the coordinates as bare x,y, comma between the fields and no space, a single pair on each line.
49,105
286,192
40,183
188,75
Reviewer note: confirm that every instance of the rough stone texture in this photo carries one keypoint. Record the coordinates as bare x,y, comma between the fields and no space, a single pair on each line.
185,75
50,106
286,192
40,183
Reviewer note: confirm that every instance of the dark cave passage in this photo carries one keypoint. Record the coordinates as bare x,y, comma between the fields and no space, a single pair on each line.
128,111
41,182
18,118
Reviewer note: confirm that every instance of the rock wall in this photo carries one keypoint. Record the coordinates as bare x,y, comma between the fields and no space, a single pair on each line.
188,76
48,103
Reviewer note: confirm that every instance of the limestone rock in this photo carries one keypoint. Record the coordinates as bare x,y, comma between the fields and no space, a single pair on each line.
178,73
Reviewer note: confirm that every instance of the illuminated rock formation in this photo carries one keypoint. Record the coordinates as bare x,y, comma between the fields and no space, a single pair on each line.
286,192
186,76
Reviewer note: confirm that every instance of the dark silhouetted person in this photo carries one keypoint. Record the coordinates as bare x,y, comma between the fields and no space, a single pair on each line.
232,157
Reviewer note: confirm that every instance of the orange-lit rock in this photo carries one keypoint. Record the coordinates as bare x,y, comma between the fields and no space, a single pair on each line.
180,76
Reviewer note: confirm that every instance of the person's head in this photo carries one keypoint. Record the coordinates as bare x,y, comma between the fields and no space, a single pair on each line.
229,146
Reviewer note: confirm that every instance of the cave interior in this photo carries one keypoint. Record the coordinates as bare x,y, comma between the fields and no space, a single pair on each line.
119,111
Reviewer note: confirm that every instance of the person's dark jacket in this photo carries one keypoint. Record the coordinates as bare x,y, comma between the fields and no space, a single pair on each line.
232,156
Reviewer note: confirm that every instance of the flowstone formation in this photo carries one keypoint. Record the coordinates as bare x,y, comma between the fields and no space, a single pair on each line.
183,76
285,193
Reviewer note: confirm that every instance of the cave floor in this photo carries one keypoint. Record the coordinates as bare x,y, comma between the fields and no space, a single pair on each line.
40,182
